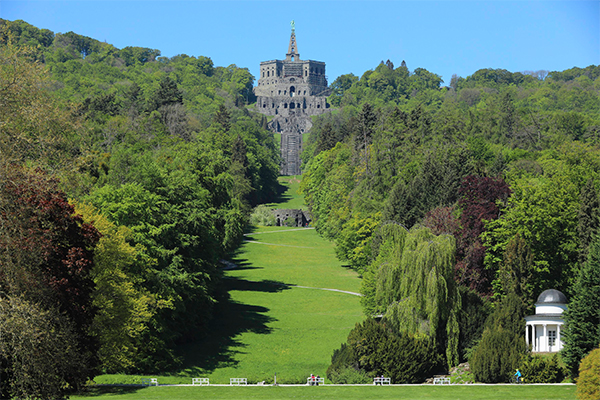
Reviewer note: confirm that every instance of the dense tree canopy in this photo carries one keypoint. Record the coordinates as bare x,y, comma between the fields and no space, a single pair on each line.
482,191
162,160
504,162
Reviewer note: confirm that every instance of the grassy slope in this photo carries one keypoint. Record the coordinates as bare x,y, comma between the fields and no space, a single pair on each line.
290,198
288,331
348,392
267,327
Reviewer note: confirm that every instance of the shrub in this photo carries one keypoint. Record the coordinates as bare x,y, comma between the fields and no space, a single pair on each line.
497,356
263,216
349,375
588,384
341,358
543,369
374,350
471,321
462,374
502,347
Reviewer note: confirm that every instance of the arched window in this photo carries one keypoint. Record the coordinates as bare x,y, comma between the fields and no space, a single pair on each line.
284,105
292,91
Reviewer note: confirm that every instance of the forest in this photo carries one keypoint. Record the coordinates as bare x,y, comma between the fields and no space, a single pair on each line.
459,205
127,177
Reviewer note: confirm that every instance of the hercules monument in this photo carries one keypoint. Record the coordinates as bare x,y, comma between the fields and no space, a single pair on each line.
291,90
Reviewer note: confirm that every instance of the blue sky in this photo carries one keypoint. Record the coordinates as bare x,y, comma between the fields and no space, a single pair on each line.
444,37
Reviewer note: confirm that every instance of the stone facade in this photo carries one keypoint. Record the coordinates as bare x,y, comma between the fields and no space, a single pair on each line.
291,90
294,217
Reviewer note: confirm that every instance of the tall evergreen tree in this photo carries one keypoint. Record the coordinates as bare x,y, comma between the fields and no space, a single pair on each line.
364,134
517,269
223,118
167,94
588,218
582,319
502,345
327,138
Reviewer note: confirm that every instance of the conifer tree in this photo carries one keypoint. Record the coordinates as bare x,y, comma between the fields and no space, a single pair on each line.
588,218
502,345
167,94
582,318
517,270
222,117
327,139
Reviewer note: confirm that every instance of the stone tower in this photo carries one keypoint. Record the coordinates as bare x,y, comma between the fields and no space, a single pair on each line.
291,90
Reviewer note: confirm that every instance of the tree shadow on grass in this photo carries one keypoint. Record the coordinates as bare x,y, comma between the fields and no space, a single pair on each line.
267,286
236,258
93,391
281,196
219,347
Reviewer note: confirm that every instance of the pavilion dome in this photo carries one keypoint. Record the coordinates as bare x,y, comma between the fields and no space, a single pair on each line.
552,296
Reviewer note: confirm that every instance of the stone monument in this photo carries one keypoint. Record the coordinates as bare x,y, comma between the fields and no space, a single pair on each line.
291,90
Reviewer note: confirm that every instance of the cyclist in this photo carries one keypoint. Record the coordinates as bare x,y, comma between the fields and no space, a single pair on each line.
518,376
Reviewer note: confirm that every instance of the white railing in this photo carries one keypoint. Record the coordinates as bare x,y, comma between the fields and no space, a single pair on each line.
441,381
238,381
200,381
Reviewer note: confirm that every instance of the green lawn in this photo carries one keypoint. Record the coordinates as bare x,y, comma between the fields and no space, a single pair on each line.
290,198
277,137
269,327
471,392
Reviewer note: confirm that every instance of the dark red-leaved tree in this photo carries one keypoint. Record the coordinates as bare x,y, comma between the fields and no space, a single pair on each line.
46,252
478,202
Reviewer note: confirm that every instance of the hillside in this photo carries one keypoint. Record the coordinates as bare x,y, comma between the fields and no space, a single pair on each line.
129,176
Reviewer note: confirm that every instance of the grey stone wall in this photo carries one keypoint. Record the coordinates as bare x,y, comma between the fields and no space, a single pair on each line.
298,218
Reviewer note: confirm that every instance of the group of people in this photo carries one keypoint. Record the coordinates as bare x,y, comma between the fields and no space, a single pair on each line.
314,380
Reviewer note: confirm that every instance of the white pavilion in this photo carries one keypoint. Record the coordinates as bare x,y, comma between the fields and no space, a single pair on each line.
542,330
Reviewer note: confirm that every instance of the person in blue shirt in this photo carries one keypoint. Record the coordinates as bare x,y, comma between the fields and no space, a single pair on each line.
518,375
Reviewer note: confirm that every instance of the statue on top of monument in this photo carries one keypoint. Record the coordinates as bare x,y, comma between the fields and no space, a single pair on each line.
293,26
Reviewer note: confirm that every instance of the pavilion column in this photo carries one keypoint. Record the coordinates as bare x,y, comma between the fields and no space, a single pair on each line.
559,346
545,338
527,334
